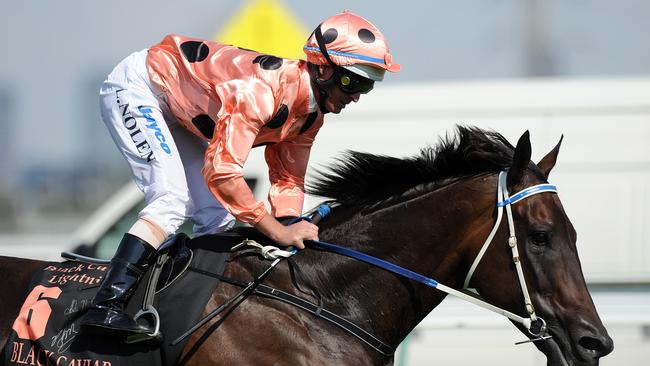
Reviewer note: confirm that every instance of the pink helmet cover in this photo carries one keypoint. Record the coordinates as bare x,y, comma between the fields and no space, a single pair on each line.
350,40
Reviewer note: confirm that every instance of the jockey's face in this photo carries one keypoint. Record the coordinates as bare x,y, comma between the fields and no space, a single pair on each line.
337,98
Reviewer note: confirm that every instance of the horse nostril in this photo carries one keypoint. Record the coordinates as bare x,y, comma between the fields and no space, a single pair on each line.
596,347
590,343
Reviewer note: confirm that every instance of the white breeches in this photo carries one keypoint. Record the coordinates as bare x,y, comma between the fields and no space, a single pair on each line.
165,159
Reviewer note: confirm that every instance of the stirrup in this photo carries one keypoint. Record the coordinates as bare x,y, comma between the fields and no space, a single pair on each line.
155,336
147,308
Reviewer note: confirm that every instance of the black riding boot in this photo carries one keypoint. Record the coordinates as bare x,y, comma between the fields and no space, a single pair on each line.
107,315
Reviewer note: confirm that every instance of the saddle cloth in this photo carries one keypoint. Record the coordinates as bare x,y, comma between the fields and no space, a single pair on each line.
47,332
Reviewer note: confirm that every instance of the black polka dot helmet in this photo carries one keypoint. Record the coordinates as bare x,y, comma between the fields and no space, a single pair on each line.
353,43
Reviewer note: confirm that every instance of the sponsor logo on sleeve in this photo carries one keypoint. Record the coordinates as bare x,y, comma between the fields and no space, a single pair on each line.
152,124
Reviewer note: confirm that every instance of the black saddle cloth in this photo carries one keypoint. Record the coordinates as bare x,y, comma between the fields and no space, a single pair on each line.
47,330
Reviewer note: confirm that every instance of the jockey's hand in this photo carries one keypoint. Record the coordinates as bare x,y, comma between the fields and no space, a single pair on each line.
292,235
301,230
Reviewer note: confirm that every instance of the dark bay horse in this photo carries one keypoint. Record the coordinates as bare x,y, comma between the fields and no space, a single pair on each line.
431,214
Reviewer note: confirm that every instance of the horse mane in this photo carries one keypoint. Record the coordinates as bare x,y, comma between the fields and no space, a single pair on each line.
362,179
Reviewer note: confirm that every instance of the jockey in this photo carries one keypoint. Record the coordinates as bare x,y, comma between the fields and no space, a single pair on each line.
185,114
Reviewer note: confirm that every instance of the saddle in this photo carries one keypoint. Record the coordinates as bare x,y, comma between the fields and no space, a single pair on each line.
171,296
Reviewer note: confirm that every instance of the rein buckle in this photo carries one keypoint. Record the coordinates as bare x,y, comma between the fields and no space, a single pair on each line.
538,335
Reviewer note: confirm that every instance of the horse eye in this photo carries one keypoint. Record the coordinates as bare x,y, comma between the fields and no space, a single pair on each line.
539,238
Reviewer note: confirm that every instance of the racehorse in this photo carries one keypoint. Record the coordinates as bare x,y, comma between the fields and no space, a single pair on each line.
430,213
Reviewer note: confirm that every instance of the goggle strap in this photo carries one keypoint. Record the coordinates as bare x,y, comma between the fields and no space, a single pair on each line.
321,45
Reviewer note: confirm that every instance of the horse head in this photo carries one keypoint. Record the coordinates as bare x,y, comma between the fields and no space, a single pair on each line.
436,214
546,242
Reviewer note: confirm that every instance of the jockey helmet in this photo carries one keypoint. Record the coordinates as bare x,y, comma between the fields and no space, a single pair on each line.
353,43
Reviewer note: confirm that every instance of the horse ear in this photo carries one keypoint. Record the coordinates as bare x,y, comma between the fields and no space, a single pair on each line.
520,159
548,162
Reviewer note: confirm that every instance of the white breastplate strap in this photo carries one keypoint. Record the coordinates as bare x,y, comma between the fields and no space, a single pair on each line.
505,200
269,252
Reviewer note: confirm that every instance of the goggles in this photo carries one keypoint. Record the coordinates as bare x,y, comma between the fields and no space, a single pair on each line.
352,83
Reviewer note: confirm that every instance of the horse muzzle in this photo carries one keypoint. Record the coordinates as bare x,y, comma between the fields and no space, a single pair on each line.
590,343
581,344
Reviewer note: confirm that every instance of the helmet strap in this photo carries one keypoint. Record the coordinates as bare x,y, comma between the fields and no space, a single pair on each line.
323,86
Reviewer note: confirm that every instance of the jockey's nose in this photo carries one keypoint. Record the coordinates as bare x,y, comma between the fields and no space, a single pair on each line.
355,97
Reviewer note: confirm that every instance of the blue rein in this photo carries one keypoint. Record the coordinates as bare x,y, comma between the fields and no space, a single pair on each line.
322,212
372,260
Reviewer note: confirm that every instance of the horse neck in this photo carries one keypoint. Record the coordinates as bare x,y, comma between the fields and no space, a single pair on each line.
427,234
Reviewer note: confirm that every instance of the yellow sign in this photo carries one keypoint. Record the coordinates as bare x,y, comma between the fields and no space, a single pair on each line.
266,26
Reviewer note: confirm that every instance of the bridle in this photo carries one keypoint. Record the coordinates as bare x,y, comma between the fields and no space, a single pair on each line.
505,200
